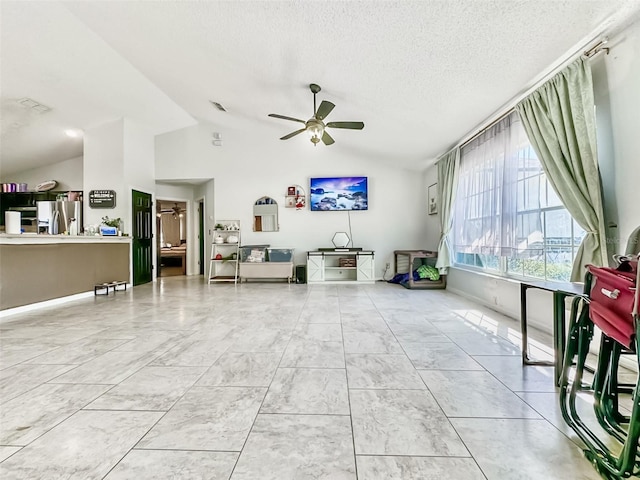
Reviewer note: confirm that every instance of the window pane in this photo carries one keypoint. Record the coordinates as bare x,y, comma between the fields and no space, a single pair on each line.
534,267
559,264
515,266
553,199
558,227
491,262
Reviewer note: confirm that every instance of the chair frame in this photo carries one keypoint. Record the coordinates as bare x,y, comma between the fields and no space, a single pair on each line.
605,390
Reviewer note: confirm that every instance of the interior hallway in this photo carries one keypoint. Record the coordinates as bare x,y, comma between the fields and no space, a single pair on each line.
181,379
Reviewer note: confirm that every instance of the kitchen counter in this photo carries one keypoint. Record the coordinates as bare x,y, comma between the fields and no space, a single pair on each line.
34,239
36,268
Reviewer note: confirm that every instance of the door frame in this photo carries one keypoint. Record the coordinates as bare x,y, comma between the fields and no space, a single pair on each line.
188,230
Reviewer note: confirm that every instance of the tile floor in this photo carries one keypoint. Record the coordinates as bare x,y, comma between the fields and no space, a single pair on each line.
183,380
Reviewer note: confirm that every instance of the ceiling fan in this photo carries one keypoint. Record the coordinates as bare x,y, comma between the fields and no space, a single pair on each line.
176,211
315,125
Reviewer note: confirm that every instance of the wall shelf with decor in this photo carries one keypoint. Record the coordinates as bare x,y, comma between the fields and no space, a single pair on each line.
295,198
223,263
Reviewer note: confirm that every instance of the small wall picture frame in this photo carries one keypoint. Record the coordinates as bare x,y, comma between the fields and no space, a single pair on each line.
291,191
432,199
290,201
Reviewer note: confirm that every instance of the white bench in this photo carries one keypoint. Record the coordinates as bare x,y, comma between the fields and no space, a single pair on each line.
263,270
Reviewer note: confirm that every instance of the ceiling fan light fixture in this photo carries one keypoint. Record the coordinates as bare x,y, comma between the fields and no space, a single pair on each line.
315,129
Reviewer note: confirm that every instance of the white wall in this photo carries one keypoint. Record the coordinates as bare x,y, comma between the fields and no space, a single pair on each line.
623,77
616,80
67,173
104,170
247,168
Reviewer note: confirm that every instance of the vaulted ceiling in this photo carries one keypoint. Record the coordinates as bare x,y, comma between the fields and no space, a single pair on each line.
420,74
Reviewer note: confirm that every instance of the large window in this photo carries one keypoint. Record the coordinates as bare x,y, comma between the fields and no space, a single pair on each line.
507,218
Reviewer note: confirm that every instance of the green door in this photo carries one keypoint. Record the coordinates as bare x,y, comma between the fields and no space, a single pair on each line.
201,235
142,237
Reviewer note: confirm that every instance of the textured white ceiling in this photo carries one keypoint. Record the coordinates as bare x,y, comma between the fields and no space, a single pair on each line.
420,74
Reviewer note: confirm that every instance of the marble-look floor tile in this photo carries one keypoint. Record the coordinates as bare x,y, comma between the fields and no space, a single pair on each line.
192,351
475,344
150,388
261,340
69,335
78,352
28,416
234,369
547,405
153,341
450,323
358,323
518,377
416,332
417,468
30,332
295,447
6,452
440,356
321,332
83,447
374,342
109,368
178,465
522,449
19,379
402,422
308,391
18,350
310,353
207,418
382,371
474,394
320,315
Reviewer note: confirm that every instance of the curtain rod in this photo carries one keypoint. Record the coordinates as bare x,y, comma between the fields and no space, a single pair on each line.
589,54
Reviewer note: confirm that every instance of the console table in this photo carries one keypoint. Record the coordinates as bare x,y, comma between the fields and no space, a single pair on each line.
340,266
561,290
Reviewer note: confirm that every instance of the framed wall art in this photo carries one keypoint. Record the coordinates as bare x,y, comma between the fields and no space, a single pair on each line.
432,199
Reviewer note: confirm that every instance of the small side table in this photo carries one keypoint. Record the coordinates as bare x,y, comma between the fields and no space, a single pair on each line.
561,290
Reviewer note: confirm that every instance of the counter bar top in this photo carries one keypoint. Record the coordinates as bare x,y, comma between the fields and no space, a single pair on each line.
33,239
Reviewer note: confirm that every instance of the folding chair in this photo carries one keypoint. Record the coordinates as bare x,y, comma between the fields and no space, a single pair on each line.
610,301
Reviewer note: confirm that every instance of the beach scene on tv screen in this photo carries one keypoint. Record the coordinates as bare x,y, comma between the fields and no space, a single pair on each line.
339,193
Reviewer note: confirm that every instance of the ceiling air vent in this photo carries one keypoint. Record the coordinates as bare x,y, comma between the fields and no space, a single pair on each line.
218,106
33,105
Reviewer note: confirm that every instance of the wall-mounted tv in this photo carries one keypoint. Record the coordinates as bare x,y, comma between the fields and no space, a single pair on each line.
339,193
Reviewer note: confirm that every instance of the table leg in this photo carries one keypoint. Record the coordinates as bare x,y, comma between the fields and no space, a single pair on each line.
523,323
523,330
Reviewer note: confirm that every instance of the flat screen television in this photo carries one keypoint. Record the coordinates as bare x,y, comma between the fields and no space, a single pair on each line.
339,193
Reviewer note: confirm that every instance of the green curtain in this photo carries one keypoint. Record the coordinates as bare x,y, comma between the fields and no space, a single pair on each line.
447,187
559,118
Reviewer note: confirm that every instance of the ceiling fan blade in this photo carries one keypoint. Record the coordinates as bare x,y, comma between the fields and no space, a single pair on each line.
326,139
293,134
324,109
349,125
275,115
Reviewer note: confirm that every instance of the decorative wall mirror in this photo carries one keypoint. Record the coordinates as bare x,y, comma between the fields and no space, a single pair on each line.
265,215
